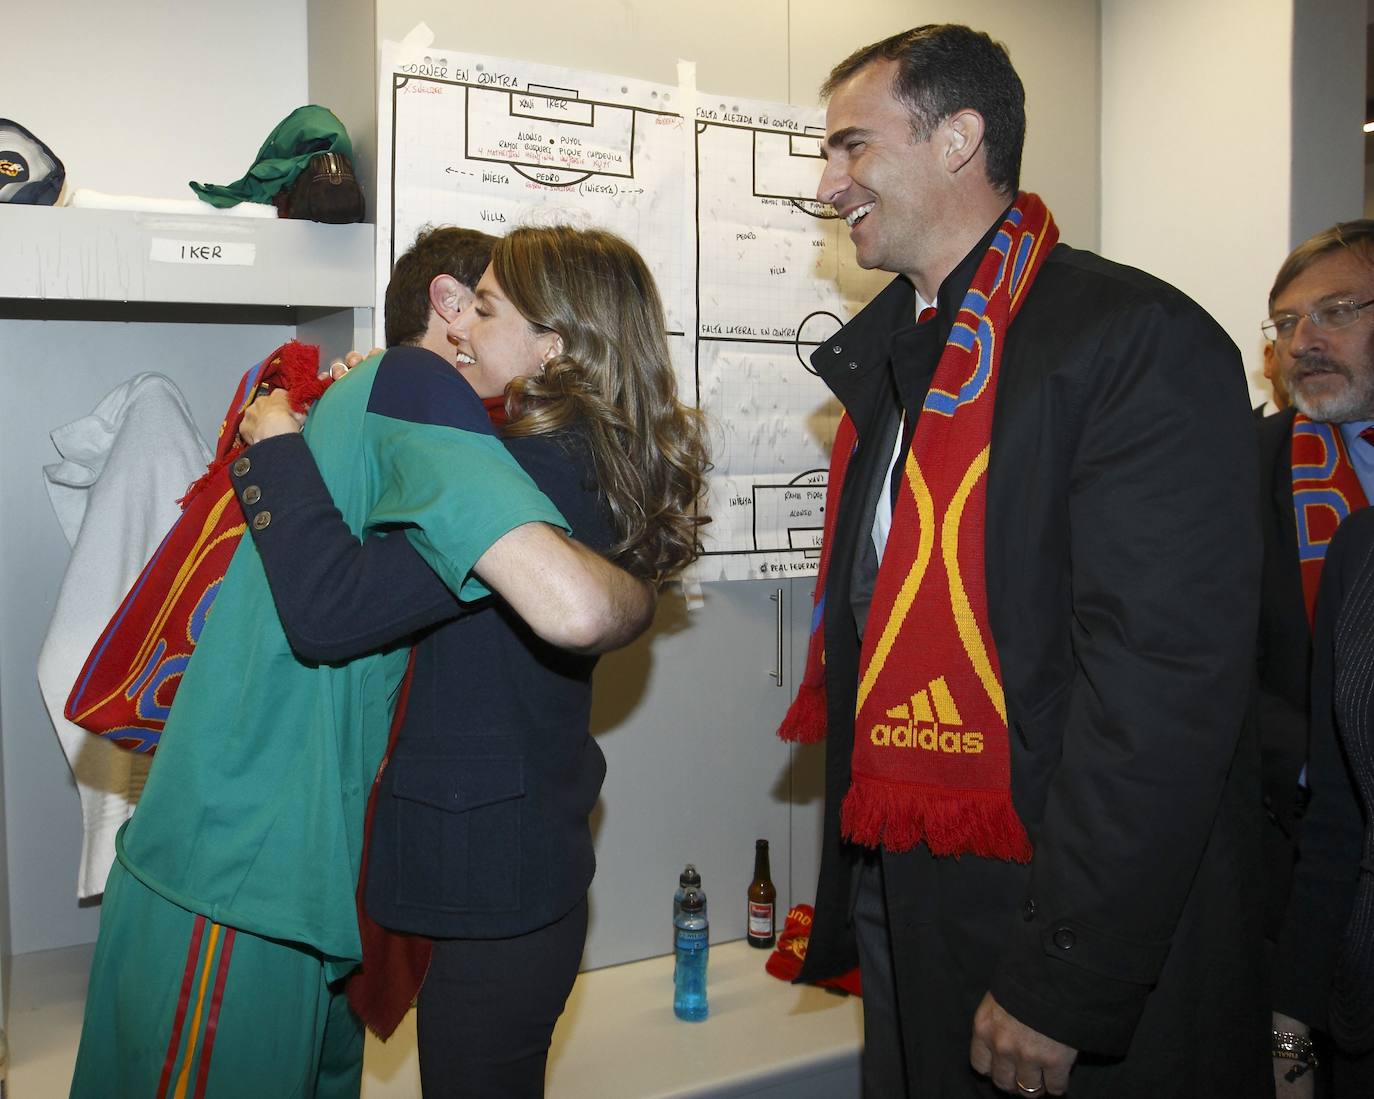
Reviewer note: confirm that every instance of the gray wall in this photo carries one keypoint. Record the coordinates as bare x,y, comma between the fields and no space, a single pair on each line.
1328,113
1230,131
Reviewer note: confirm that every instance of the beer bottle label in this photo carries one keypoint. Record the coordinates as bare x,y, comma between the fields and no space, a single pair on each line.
760,919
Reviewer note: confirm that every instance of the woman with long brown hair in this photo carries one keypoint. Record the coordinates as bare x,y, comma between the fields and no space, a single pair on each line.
607,375
481,841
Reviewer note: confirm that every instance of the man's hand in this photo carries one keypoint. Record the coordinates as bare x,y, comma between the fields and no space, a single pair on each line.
570,596
269,415
1019,1060
1292,1079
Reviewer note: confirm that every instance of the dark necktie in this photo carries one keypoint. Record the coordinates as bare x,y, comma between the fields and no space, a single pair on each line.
907,427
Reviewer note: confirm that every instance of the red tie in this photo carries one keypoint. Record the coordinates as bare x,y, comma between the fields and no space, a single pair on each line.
928,314
1368,435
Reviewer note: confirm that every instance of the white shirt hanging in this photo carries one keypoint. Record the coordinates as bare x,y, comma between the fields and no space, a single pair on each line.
115,493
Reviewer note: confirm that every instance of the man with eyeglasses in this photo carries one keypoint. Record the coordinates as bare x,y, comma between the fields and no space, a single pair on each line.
1317,467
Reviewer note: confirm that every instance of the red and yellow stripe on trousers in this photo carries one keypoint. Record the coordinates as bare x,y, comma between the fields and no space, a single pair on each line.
192,1043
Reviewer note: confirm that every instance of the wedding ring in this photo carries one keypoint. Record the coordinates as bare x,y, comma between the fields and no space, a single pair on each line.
1020,1087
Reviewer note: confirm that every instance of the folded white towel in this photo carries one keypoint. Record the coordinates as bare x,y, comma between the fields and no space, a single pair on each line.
99,200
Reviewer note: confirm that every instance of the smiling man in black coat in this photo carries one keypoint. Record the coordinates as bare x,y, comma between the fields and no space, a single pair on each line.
1112,948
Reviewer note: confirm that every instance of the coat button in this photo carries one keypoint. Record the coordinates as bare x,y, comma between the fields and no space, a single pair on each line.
853,366
261,519
242,466
1028,911
252,494
1065,939
836,349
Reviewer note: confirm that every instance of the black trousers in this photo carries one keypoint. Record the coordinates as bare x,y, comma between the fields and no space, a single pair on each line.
883,1061
487,1010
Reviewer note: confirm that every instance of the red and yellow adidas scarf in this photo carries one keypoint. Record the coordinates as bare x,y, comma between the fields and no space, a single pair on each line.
125,690
1326,489
932,761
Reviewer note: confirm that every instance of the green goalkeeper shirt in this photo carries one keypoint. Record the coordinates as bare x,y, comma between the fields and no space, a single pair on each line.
253,811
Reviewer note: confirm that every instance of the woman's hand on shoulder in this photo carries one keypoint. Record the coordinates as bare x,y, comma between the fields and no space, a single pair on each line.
270,415
339,367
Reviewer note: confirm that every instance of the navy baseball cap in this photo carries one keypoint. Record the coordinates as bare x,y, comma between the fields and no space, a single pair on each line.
30,172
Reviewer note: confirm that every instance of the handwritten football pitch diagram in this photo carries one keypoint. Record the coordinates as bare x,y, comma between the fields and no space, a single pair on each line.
772,265
491,145
719,195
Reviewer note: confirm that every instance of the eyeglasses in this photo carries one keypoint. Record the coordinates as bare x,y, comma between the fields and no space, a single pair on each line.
1339,314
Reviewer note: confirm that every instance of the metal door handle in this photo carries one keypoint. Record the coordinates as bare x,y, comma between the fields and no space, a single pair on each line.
776,673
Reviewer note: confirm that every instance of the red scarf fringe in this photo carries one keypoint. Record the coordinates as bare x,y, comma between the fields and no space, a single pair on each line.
949,822
294,366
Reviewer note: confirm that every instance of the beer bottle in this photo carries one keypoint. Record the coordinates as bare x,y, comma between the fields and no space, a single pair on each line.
762,898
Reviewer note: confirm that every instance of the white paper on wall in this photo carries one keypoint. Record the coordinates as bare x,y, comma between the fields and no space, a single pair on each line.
754,273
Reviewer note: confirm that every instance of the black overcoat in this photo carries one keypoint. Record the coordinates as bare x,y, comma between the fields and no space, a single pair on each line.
1284,660
1123,575
1333,832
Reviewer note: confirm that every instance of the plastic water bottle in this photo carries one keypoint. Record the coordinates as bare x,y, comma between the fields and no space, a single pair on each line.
688,879
691,949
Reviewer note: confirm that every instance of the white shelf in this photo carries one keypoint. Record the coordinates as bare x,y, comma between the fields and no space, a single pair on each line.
53,253
617,1039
